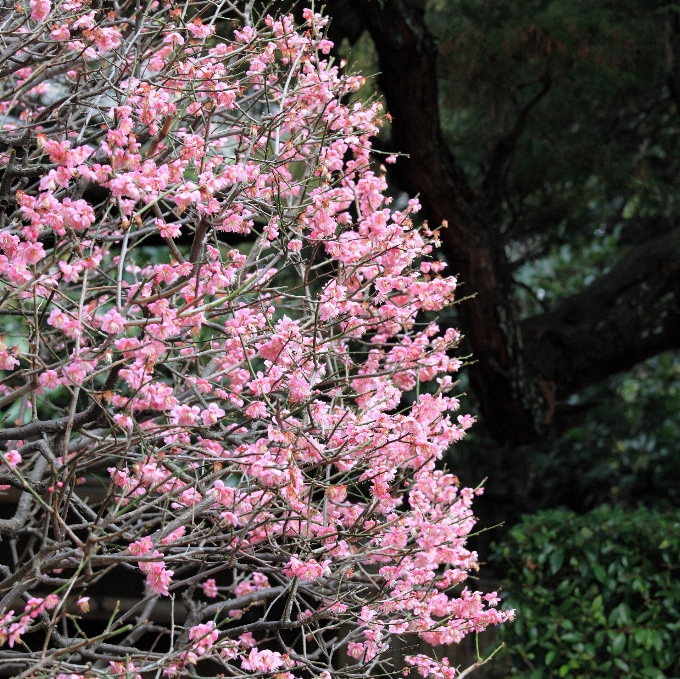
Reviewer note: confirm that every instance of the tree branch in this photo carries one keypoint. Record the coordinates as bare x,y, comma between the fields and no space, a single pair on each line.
623,318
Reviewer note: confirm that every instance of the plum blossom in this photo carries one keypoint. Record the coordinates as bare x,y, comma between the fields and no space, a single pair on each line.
225,314
306,570
40,9
212,414
210,588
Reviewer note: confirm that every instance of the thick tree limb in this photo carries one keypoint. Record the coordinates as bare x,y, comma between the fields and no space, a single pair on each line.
25,431
628,315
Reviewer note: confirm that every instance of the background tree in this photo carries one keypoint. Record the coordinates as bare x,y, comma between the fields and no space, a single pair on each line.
546,133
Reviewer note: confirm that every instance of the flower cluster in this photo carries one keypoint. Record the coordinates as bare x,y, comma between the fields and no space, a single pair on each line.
222,372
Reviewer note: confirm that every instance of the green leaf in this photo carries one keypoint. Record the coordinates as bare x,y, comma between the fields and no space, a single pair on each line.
599,572
631,207
653,673
596,605
618,644
556,560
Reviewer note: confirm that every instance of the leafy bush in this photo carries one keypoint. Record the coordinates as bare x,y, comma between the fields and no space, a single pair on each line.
596,595
623,450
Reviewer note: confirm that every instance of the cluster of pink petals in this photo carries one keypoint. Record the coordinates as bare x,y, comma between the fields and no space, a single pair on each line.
277,411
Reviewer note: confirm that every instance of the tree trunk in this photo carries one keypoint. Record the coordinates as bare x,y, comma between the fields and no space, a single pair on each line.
511,404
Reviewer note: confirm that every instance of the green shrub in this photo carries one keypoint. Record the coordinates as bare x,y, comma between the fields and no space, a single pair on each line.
597,596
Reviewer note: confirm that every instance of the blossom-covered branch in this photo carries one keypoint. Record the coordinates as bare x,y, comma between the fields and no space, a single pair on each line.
210,309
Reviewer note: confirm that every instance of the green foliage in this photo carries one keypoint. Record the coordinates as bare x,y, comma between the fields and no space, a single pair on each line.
597,596
622,447
601,140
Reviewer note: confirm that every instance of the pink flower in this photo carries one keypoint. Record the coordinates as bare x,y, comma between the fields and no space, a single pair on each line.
7,361
355,650
51,601
140,547
466,421
306,570
210,588
223,494
205,636
174,536
157,576
60,33
40,9
184,415
120,670
174,38
212,414
31,253
188,498
325,46
300,390
336,493
200,30
112,322
257,409
173,230
76,371
123,421
262,661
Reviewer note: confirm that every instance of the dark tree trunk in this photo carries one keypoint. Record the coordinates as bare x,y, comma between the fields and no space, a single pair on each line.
511,404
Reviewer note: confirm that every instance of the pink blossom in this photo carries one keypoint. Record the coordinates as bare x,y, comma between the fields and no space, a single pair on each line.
212,414
112,322
123,421
158,578
224,494
205,636
7,361
40,9
184,415
141,547
174,38
262,661
325,46
31,253
466,421
12,458
210,588
200,30
306,570
355,650
174,535
257,409
60,33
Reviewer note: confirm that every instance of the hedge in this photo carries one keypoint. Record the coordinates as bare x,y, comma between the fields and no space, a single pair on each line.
597,596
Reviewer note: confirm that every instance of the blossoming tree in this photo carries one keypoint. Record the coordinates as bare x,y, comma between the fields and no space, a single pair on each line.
257,394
